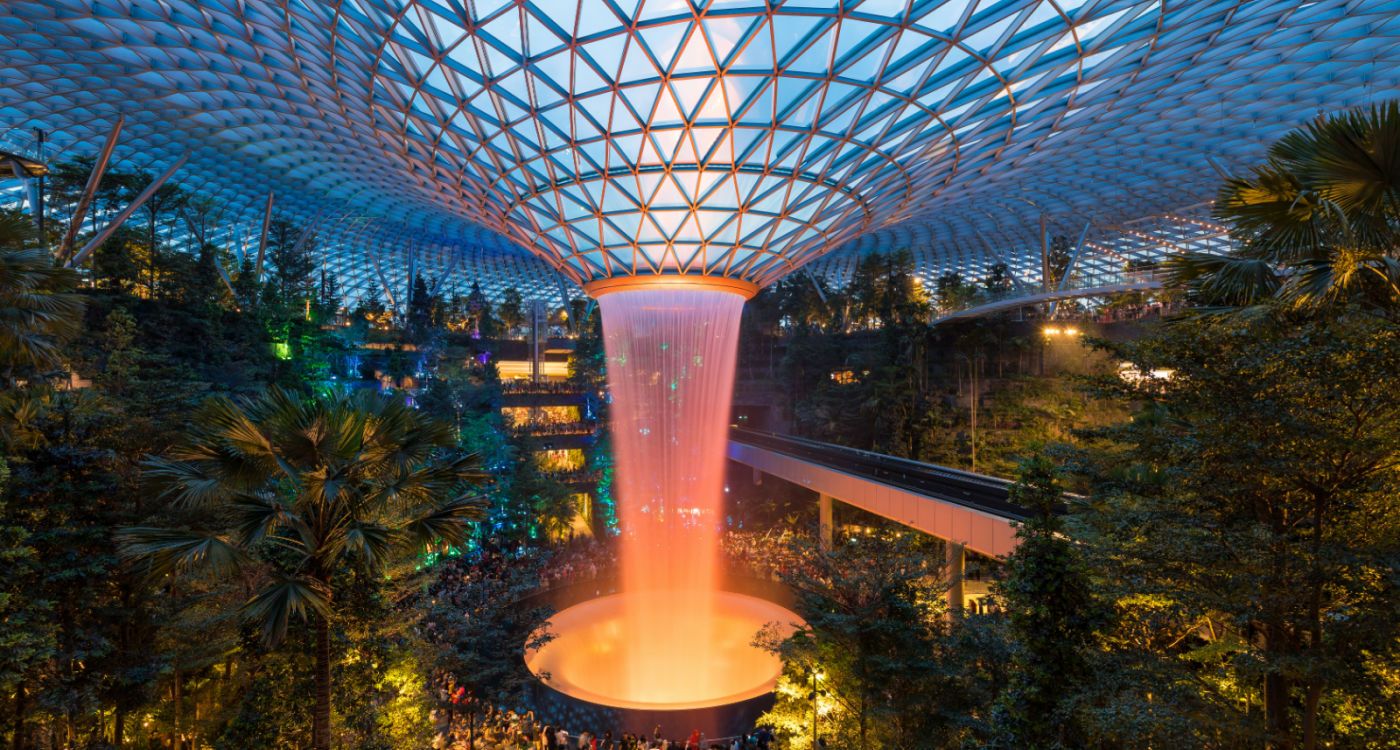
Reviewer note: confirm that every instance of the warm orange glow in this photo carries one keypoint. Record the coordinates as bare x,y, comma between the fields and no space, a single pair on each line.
670,369
655,282
594,639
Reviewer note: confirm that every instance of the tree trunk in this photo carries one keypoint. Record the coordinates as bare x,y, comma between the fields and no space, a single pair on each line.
175,741
20,710
152,264
226,684
118,726
1276,720
1311,701
321,718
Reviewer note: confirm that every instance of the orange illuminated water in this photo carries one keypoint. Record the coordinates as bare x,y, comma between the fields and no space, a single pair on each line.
670,369
594,639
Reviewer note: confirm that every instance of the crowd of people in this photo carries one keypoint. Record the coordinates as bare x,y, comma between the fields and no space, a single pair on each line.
466,725
575,476
768,555
580,427
542,386
580,560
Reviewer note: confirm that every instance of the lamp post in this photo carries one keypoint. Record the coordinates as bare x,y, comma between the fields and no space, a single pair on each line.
816,675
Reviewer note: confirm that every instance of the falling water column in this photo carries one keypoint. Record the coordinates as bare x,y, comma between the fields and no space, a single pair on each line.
671,356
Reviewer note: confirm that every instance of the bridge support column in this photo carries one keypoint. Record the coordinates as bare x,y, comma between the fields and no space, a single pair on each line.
824,522
956,559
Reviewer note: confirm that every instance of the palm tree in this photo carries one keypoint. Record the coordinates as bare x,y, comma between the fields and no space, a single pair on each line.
1318,224
38,309
307,488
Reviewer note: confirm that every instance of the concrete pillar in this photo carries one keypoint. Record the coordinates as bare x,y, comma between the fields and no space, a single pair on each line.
824,522
956,558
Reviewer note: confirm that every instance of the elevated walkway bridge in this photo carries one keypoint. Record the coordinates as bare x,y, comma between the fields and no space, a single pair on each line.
967,509
1018,301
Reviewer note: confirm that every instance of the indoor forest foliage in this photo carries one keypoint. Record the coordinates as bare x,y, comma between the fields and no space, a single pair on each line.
307,489
1247,522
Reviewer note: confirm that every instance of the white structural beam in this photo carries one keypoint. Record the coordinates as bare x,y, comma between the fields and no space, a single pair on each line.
103,235
1069,267
262,240
99,168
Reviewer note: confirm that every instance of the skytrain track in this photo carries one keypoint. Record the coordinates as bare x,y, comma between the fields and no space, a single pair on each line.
979,492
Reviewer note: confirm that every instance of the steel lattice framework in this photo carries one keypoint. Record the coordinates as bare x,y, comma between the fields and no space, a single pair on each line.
740,138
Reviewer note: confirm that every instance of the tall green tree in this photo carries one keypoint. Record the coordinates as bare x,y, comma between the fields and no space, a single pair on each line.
424,315
307,488
27,641
866,660
1255,497
1053,619
511,311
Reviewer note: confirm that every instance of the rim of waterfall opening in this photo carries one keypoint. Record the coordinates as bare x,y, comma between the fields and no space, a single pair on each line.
600,287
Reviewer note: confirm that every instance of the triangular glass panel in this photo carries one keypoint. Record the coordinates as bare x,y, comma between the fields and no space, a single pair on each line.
867,68
662,41
641,99
667,111
796,101
505,30
637,66
611,237
542,37
668,221
816,60
695,56
647,183
668,195
944,17
855,37
595,108
650,158
606,53
629,145
666,140
690,93
755,54
705,140
724,34
626,222
690,255
585,80
656,9
790,31
685,154
592,18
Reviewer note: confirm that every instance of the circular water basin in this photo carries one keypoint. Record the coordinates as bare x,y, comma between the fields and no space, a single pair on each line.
606,651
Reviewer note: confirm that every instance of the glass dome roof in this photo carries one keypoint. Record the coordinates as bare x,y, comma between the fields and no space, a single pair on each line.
740,138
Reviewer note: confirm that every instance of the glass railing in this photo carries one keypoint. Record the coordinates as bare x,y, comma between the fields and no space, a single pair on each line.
1077,282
